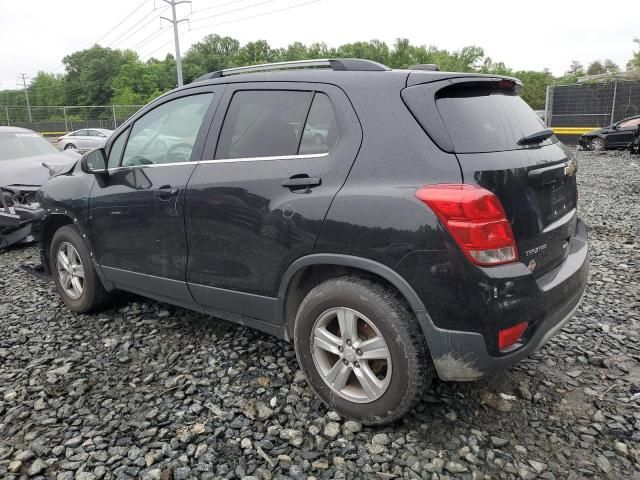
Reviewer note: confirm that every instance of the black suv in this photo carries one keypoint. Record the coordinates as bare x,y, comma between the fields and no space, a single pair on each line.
393,224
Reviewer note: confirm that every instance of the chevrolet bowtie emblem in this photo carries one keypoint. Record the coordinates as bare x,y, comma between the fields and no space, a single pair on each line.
570,169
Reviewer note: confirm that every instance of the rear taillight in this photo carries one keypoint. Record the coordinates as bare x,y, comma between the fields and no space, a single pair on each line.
509,337
475,219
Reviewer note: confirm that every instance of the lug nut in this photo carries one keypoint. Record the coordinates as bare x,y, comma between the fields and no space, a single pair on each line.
356,364
340,349
349,342
345,361
359,352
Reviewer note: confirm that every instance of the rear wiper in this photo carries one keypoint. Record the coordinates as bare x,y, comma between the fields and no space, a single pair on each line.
537,137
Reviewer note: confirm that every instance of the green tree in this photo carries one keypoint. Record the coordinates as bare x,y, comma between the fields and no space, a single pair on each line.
575,69
47,89
598,67
210,54
534,89
374,50
134,84
90,73
634,63
595,68
255,53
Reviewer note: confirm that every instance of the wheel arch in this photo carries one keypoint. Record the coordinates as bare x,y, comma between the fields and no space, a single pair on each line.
50,225
306,272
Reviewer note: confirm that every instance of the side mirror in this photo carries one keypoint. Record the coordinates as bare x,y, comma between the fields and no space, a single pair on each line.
95,162
615,126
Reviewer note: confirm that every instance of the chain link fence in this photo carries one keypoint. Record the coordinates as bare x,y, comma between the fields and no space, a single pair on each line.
59,119
592,105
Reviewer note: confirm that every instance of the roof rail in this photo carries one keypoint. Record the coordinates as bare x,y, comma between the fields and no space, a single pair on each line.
336,64
425,66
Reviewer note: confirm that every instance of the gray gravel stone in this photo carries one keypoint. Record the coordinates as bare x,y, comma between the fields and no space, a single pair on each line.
331,430
37,467
147,390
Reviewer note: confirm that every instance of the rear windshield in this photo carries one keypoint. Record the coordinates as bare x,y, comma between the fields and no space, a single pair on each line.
481,119
23,144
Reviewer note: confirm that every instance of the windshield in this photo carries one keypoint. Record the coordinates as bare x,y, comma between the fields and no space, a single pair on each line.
23,144
485,119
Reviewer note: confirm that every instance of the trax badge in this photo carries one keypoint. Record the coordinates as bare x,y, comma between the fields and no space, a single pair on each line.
570,169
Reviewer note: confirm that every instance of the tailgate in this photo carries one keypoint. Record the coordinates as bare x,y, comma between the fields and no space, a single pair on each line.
538,191
503,146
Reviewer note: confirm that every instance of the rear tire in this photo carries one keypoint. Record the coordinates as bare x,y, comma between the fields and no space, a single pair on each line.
76,280
596,144
338,369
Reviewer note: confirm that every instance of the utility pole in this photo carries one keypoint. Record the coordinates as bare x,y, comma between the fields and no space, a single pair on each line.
175,23
26,93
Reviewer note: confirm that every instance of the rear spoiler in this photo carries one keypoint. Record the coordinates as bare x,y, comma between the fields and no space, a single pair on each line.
420,77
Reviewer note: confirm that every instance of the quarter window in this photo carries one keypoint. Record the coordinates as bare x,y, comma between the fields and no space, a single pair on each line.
321,130
167,133
263,123
116,150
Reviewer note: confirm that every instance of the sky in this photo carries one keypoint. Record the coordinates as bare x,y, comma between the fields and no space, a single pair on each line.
36,34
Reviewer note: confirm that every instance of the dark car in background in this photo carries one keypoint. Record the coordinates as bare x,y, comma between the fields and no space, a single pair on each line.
618,135
22,154
393,224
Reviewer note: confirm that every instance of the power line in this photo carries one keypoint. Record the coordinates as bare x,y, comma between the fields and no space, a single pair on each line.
148,38
121,22
246,7
113,43
255,16
217,6
119,40
150,54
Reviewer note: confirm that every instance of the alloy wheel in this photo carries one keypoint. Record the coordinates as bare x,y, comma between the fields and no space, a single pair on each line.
70,270
597,144
351,355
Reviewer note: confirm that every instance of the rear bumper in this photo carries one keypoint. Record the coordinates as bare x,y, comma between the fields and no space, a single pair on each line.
551,302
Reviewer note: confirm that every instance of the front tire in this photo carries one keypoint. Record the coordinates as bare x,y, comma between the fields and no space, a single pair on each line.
75,278
362,350
597,144
69,146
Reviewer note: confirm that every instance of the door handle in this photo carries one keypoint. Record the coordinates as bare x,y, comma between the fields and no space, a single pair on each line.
301,181
166,192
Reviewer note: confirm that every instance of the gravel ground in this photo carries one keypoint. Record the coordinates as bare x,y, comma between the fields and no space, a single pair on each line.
152,391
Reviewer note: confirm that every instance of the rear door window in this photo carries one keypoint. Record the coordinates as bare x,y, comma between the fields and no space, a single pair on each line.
486,119
263,123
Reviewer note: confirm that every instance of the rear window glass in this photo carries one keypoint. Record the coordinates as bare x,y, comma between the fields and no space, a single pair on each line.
481,119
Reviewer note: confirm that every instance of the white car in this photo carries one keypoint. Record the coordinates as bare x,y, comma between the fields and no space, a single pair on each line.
85,139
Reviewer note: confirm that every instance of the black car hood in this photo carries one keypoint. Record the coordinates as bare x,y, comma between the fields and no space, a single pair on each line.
29,170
